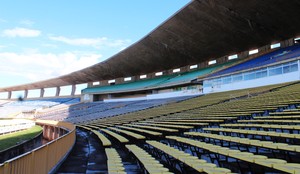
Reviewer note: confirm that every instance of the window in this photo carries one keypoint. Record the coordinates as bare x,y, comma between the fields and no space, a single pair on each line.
294,67
277,45
261,73
286,69
96,83
112,81
176,70
217,82
235,56
226,80
143,76
253,51
212,62
158,73
237,78
127,79
193,66
290,67
249,76
207,83
275,71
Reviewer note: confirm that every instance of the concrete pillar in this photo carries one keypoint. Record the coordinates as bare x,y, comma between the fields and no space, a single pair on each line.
264,48
57,91
46,132
9,95
73,90
90,84
25,93
150,75
134,78
119,80
243,55
104,83
287,43
56,132
42,93
203,64
184,69
169,72
222,59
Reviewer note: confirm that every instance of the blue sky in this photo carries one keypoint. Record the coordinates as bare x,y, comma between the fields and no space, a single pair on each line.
45,39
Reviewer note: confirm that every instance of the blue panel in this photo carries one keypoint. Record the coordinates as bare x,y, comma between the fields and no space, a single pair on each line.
275,56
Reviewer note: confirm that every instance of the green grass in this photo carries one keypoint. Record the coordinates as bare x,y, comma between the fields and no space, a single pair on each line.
9,140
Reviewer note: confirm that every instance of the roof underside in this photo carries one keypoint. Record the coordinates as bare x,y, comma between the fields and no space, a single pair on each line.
202,30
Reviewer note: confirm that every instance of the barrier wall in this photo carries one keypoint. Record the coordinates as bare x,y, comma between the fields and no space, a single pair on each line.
45,158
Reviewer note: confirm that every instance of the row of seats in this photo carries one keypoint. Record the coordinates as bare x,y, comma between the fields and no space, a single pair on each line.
219,130
84,112
261,160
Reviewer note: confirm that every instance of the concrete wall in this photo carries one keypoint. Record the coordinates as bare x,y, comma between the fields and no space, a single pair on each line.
21,148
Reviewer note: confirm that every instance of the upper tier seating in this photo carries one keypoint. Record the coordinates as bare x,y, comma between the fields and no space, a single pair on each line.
11,108
96,110
12,125
165,80
275,56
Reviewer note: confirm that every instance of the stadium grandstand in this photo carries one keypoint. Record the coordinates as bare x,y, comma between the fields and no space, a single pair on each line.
214,89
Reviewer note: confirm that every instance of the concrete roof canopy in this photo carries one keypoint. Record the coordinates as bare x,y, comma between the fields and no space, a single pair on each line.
201,30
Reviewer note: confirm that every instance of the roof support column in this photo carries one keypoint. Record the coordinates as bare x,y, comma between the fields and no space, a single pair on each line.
184,69
57,91
222,59
203,64
42,93
73,90
264,48
25,93
90,84
287,43
243,55
9,95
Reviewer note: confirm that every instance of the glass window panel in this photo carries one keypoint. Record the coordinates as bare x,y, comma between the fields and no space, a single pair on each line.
217,81
237,78
294,67
249,76
275,71
261,74
286,69
226,80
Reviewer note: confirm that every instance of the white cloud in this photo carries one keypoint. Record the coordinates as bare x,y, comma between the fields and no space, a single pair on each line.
21,32
27,22
49,45
34,66
98,42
